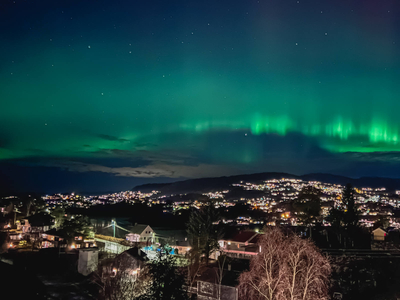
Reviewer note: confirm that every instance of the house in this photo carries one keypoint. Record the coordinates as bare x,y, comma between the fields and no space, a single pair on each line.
208,287
134,257
38,223
116,239
379,234
130,263
15,235
141,233
58,238
33,226
242,244
53,238
23,225
122,272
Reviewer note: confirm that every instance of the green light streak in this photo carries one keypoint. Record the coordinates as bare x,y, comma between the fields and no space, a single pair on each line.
340,135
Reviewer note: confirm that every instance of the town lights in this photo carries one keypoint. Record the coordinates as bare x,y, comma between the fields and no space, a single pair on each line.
73,246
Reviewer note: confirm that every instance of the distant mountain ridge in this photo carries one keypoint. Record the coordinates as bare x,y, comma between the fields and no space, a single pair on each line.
202,185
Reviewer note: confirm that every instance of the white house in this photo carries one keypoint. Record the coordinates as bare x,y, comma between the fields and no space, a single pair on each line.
141,233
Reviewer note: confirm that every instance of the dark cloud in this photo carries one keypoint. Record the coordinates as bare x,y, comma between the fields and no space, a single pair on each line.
151,156
35,150
387,157
147,171
144,145
112,138
208,154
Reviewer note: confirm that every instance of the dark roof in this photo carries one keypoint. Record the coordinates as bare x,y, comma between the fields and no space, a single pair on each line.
134,253
229,278
55,232
137,229
52,231
41,219
243,236
109,231
121,232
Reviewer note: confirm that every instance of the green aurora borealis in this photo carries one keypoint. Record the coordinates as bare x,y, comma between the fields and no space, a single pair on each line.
186,84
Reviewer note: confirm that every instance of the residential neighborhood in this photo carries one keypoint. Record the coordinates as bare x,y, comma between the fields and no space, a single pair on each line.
210,251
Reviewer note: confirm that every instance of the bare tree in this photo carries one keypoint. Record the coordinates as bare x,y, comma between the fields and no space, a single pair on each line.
193,268
120,280
287,267
220,274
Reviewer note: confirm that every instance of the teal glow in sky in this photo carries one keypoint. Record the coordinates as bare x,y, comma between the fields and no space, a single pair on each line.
120,92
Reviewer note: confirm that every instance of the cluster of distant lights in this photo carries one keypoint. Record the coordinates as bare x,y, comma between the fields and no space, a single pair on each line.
331,193
72,200
287,188
216,195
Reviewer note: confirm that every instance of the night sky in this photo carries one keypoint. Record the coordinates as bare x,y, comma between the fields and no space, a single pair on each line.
104,95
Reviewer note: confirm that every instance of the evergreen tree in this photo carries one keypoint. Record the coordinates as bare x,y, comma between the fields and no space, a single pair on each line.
351,214
308,206
344,218
59,215
79,225
203,230
336,217
167,282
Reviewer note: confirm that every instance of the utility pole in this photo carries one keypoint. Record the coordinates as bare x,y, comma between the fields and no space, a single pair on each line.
113,222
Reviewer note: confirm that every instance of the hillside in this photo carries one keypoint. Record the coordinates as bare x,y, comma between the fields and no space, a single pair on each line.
203,185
